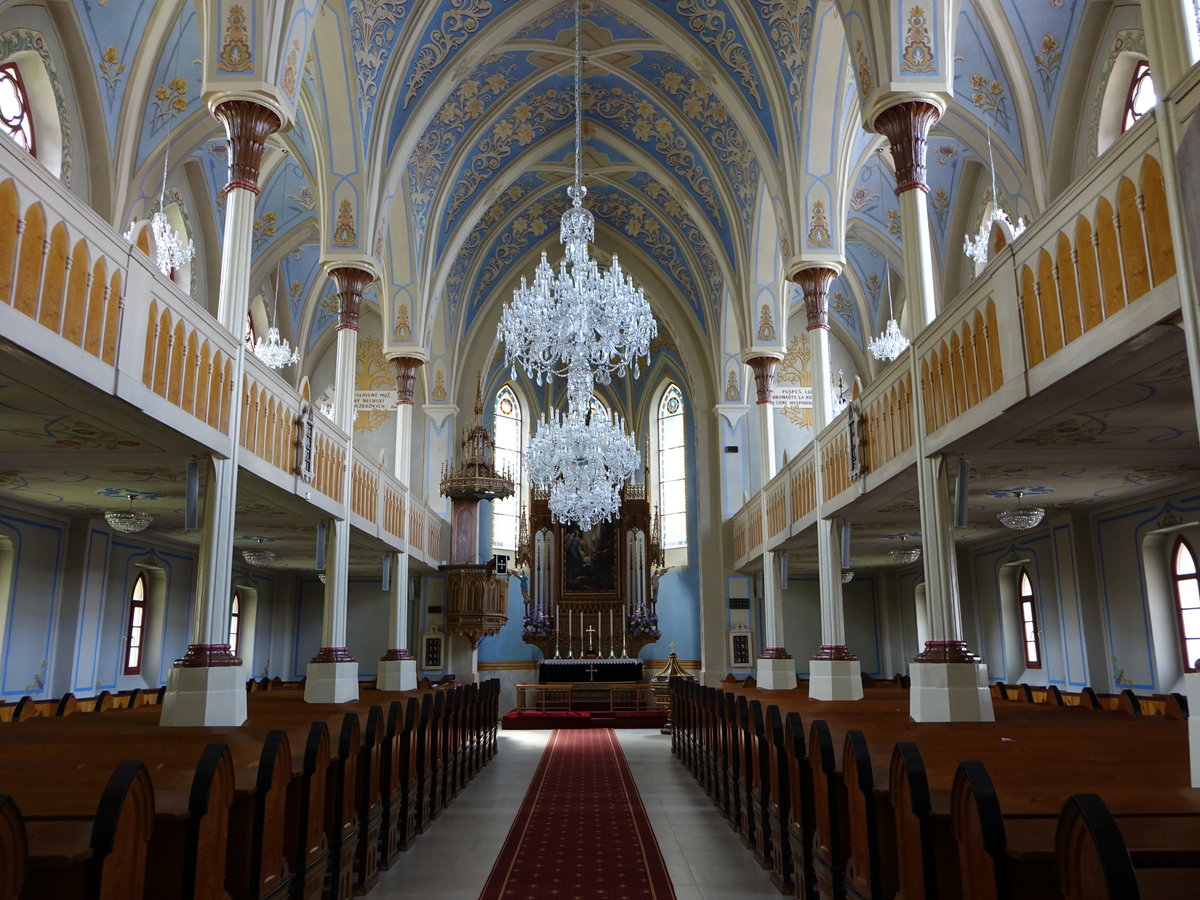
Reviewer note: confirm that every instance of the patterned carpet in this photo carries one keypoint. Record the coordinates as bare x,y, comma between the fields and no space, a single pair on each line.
582,831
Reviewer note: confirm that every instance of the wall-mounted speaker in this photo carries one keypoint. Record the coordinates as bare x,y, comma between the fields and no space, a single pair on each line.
960,493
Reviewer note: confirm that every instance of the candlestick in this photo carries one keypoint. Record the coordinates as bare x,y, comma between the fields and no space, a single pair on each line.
569,652
612,636
624,631
556,635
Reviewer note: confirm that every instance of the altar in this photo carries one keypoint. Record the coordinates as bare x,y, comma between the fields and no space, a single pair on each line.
582,671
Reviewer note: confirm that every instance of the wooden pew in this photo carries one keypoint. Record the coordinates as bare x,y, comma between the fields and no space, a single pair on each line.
88,833
779,802
13,849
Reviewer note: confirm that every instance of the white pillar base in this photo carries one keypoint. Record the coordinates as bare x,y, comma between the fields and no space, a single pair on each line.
209,695
835,679
775,674
1191,684
397,675
331,682
950,692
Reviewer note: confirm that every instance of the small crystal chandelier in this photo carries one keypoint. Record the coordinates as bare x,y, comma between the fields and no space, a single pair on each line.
274,352
976,248
904,555
257,556
577,315
1021,517
891,342
847,576
129,521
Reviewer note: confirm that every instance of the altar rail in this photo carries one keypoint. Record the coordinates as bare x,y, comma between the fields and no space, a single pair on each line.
574,697
104,312
1095,269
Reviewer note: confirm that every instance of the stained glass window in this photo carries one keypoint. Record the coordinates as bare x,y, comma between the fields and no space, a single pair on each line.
672,468
508,435
16,118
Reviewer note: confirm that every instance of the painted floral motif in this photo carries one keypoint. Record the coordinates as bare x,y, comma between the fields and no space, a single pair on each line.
235,55
111,70
372,372
304,198
344,234
796,368
460,21
945,154
634,113
874,286
1132,40
893,222
1047,62
789,23
290,69
862,197
439,387
818,226
988,94
403,329
733,393
700,246
864,69
697,101
918,52
264,228
766,326
374,27
169,100
940,204
711,26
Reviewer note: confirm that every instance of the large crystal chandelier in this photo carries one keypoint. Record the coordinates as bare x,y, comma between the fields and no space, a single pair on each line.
976,248
892,342
274,352
1021,517
577,316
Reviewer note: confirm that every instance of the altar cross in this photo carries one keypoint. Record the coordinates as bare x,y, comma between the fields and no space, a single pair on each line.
591,629
591,670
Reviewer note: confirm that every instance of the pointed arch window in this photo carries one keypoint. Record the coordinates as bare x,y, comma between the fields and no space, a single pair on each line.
16,115
1029,623
235,622
509,433
1186,584
136,625
672,468
599,412
1140,98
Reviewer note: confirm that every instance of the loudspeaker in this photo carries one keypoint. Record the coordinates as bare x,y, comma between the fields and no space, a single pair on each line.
845,545
191,503
960,493
386,578
319,556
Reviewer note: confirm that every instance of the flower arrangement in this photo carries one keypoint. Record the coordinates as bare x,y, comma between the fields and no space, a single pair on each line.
536,623
644,623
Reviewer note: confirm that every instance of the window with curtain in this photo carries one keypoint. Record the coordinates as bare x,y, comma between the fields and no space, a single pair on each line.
672,468
508,434
1140,99
235,622
1029,624
16,116
1187,601
136,626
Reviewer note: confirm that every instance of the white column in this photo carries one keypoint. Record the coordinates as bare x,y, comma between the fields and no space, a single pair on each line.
206,686
949,682
1172,42
332,675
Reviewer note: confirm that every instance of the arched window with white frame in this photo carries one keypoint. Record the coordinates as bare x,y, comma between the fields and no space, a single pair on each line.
136,625
672,468
235,622
508,431
1030,635
1140,98
1185,581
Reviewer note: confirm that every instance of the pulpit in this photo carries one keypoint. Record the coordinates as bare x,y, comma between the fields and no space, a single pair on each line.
591,595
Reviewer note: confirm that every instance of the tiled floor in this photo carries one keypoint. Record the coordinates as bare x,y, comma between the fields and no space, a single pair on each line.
705,857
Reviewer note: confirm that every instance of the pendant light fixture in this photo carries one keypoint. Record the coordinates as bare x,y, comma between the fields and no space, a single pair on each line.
891,342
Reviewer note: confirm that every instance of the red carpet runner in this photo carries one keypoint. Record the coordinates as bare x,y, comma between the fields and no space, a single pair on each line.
582,830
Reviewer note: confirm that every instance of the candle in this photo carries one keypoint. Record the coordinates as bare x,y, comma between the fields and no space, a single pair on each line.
612,636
